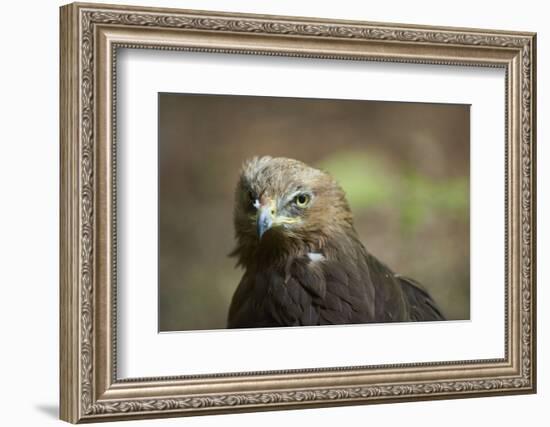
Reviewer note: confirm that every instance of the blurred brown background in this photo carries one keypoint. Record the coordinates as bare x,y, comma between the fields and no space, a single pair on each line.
404,167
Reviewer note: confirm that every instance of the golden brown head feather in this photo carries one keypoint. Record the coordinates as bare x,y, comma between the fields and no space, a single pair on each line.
282,184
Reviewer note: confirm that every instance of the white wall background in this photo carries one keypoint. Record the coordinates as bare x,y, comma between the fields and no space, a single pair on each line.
29,171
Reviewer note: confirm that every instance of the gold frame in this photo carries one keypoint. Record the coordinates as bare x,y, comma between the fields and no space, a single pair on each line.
90,36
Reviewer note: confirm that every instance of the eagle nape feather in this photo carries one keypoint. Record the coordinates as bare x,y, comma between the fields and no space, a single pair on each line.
303,261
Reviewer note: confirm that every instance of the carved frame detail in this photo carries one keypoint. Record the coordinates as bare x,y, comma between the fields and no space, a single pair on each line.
85,397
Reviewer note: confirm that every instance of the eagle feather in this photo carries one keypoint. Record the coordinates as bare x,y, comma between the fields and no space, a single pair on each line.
305,212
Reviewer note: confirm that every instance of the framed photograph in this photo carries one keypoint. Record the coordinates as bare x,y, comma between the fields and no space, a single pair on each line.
265,212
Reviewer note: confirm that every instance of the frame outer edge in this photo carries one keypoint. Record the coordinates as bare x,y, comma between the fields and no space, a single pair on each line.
77,225
533,124
68,226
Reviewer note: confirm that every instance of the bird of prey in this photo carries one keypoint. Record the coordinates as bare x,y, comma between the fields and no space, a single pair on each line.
303,261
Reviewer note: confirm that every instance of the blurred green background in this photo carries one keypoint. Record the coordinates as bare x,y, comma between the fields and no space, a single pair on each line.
404,167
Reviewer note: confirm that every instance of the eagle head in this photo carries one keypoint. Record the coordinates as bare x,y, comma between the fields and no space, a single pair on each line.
284,207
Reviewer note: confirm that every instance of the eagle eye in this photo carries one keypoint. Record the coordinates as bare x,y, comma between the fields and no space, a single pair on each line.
302,200
252,203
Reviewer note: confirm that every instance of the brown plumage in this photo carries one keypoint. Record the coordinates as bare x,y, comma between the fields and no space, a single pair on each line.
304,263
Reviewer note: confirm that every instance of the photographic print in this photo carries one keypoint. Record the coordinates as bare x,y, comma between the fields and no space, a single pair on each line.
302,212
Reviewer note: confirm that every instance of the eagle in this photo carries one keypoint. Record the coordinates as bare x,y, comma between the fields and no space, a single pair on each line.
303,261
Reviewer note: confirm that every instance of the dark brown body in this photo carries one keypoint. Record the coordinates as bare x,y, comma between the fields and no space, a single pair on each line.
300,292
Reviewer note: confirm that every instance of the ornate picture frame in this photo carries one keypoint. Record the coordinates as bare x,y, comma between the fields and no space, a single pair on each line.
90,37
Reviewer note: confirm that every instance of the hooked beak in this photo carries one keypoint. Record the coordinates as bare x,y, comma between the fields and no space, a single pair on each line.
265,218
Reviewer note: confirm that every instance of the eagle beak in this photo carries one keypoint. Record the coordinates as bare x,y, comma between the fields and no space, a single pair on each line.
265,218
